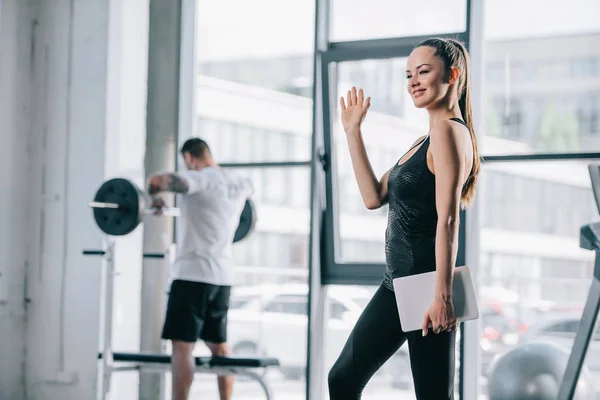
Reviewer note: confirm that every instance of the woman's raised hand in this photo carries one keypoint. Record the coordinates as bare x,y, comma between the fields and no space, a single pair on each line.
354,113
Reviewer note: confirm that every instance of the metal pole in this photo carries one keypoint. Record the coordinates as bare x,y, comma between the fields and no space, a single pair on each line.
106,307
585,334
315,384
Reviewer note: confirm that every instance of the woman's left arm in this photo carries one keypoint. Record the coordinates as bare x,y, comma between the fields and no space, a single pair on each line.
449,166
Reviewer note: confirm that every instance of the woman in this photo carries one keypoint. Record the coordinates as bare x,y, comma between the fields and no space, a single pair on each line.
425,190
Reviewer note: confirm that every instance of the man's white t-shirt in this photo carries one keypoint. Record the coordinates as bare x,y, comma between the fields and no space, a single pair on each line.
210,214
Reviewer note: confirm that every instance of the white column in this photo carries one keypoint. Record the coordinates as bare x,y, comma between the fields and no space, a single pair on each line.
161,142
126,137
188,72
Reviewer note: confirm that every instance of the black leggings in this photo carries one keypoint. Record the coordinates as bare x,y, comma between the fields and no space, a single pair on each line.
376,337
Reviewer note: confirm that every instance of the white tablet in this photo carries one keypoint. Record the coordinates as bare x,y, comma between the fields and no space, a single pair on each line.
414,295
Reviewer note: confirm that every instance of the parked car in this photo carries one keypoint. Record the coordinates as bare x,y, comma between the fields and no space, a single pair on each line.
271,320
561,328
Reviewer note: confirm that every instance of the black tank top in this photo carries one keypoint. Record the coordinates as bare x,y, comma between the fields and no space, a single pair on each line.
412,217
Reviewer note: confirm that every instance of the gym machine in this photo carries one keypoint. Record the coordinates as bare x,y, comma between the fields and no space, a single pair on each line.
119,206
589,239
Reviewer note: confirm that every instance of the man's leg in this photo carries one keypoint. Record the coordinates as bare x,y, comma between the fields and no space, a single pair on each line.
182,369
183,323
225,381
214,332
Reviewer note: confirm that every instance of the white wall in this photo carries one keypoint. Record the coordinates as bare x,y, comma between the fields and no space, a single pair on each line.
16,238
70,99
72,114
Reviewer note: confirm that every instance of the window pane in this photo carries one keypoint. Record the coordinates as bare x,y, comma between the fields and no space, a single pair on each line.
254,88
358,20
533,277
268,306
393,380
542,88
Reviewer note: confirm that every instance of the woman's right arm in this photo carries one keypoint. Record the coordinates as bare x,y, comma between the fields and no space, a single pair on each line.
372,190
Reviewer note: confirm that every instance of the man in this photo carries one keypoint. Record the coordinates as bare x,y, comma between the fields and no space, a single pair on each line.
211,201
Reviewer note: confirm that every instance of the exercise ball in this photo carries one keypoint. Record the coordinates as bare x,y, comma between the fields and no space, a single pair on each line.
534,371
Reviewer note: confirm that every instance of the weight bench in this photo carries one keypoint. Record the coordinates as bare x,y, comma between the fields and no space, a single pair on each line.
118,362
214,365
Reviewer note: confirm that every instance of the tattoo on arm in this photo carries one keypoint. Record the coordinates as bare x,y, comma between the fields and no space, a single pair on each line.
169,182
176,184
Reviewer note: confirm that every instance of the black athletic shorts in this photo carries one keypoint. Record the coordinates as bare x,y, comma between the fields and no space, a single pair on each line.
197,310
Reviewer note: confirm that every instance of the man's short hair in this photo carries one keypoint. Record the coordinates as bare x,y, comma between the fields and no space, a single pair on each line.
197,147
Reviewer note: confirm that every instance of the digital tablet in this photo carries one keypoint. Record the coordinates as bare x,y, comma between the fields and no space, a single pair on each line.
414,295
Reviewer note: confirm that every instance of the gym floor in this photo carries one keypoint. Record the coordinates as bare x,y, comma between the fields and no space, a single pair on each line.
379,388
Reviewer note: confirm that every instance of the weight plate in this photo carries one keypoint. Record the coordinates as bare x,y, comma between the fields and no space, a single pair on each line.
121,221
247,221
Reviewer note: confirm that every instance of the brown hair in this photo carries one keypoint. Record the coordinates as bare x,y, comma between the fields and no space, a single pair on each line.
454,54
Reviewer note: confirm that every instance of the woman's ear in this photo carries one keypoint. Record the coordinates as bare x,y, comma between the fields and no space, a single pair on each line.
454,75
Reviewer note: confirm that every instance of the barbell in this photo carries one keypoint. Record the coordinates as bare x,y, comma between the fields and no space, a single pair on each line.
120,206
